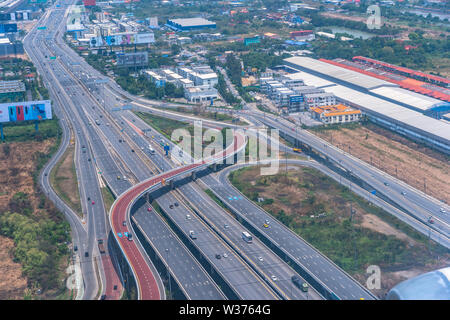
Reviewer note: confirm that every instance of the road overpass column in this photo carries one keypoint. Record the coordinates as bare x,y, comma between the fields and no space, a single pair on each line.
172,185
194,175
215,167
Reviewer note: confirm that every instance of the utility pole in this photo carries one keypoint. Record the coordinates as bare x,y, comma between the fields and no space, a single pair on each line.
351,211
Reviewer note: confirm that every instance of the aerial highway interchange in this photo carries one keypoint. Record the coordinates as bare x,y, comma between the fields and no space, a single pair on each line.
216,264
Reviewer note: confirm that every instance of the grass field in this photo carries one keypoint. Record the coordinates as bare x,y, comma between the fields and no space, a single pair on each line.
108,198
26,131
319,210
63,178
167,126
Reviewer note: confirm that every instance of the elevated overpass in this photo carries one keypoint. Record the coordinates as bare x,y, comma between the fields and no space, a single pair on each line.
147,288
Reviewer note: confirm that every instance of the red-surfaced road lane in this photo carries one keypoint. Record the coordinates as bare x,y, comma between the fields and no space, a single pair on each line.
146,281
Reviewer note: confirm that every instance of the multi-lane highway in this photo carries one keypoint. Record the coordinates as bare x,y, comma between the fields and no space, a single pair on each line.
412,201
111,149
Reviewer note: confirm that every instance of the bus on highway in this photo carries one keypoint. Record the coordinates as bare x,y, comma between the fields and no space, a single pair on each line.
247,237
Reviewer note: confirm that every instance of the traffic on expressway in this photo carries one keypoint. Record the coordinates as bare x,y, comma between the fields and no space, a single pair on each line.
199,164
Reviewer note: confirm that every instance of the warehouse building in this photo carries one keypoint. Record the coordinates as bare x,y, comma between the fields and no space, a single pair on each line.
394,116
364,83
201,94
190,24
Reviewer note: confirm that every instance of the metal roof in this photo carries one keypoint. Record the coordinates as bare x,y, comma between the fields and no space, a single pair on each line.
352,77
418,101
192,22
380,106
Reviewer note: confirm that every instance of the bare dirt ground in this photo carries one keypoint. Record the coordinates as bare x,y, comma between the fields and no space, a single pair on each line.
374,223
12,283
15,172
15,176
418,166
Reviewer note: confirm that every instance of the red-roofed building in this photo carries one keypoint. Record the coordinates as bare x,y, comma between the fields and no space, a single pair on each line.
302,35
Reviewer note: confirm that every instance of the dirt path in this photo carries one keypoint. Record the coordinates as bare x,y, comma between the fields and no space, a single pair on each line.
374,223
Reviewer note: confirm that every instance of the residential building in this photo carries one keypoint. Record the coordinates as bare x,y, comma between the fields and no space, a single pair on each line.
338,113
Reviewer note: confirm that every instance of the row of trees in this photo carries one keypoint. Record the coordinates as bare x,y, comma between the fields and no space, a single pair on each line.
262,60
387,50
39,245
318,20
224,92
142,86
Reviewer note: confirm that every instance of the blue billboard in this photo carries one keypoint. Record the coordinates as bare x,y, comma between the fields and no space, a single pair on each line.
24,111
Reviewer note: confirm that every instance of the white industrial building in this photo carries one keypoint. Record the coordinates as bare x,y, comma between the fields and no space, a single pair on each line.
198,83
200,94
378,99
201,76
290,91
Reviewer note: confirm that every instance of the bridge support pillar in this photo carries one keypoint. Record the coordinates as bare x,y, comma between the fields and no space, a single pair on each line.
215,167
1,132
171,184
194,175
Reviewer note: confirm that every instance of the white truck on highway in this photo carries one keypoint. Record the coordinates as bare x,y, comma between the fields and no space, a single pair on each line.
247,237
